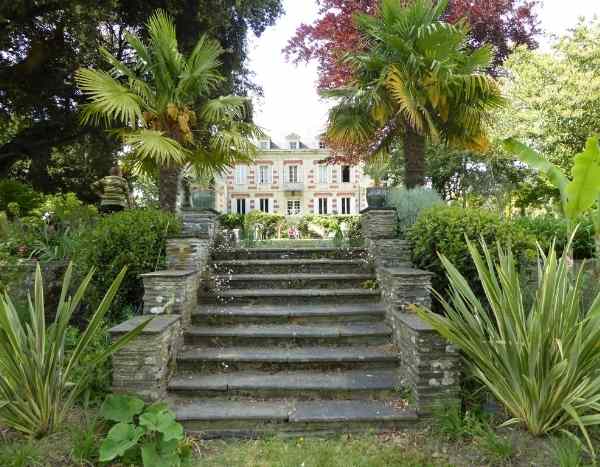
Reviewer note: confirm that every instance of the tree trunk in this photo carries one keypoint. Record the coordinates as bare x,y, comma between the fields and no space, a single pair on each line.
414,157
168,181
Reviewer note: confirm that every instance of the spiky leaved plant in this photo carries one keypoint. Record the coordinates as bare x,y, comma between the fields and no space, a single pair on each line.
540,360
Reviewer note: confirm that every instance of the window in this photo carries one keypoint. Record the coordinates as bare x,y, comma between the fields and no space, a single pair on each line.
323,174
293,207
265,144
264,204
293,174
322,206
240,174
345,174
346,206
264,175
294,145
322,145
241,205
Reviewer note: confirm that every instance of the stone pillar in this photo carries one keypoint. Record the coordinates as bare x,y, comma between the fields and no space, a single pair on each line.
405,287
144,366
200,223
377,223
188,253
389,252
171,292
430,366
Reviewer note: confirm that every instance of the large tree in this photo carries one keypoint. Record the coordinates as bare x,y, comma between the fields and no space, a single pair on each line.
416,81
159,101
503,23
42,43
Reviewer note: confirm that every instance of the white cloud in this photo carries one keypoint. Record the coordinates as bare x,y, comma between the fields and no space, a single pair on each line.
291,103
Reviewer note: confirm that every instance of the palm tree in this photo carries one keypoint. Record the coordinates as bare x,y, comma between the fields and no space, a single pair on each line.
416,80
160,101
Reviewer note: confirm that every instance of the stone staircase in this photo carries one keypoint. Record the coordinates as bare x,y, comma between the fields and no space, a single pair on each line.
292,341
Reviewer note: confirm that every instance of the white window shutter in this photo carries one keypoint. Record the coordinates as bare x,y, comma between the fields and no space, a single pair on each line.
300,174
269,174
316,206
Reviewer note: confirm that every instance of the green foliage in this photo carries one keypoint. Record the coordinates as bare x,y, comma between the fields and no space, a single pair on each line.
567,451
18,199
548,229
149,434
37,384
539,360
267,226
409,203
444,230
133,238
232,221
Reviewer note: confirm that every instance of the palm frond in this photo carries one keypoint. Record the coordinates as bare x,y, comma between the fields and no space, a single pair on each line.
224,108
110,100
156,146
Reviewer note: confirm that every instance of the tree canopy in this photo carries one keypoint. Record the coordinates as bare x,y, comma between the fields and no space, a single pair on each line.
501,23
42,43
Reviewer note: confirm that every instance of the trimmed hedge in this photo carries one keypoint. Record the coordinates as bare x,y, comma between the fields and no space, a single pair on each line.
444,229
134,238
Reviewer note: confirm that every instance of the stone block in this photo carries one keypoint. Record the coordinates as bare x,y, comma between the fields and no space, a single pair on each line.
171,292
144,366
403,287
377,223
199,223
188,253
389,252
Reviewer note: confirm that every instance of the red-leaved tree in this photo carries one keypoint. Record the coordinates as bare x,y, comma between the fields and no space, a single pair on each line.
502,23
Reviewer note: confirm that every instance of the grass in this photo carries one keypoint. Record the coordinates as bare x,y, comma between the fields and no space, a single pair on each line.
363,451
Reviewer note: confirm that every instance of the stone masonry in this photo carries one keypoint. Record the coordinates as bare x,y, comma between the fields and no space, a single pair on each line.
430,366
170,292
145,364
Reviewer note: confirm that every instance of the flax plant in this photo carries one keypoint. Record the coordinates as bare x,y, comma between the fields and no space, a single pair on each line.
37,386
540,360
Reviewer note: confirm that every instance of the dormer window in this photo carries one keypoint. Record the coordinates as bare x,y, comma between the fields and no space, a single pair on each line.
322,144
294,145
264,145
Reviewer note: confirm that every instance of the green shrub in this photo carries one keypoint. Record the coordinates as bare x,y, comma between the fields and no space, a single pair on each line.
409,203
444,230
37,382
146,435
547,228
271,225
331,224
539,359
134,238
231,221
18,199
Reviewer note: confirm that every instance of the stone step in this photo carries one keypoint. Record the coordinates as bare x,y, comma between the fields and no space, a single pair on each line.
288,253
377,384
234,359
292,296
296,281
248,419
290,334
283,266
220,315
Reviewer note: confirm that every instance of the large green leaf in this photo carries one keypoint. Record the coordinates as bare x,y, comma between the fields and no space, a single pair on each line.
120,438
162,422
536,161
121,408
584,188
160,454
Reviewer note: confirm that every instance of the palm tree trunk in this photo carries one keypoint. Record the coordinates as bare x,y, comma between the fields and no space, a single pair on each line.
414,158
168,181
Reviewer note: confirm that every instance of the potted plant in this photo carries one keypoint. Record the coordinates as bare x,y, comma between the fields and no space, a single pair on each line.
377,168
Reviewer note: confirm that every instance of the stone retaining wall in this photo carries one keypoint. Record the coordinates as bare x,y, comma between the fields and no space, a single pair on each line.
144,366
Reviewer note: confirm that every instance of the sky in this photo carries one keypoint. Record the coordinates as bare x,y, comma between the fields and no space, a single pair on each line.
291,103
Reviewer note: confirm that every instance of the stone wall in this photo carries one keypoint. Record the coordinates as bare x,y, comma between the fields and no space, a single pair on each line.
19,279
188,254
145,364
171,292
429,365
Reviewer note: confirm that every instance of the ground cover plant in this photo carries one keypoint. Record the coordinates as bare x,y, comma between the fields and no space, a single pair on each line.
540,360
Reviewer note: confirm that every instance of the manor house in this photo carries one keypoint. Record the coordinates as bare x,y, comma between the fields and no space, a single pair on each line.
292,179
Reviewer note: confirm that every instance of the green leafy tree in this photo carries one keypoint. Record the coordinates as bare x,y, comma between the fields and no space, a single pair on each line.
554,103
161,102
418,80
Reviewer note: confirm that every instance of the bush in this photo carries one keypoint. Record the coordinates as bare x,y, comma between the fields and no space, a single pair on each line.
546,228
37,381
18,199
539,359
271,225
134,238
409,203
444,230
332,224
232,221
